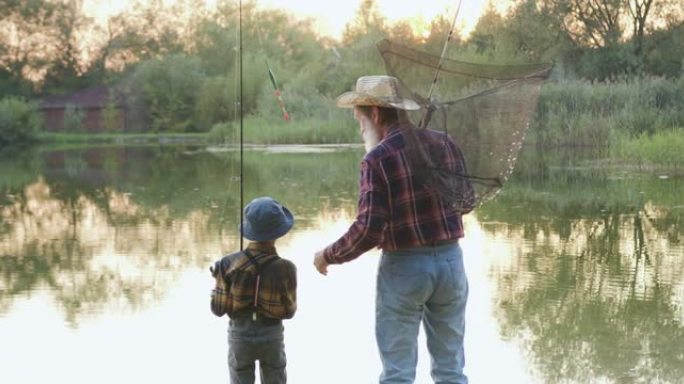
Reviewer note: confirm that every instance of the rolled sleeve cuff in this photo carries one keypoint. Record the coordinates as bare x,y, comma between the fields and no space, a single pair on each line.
327,255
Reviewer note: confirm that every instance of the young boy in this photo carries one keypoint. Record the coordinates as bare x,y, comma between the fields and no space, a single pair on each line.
257,289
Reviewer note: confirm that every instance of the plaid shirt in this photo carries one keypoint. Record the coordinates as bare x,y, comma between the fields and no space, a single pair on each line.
236,283
395,210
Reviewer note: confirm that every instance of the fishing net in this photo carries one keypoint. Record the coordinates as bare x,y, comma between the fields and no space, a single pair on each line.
485,108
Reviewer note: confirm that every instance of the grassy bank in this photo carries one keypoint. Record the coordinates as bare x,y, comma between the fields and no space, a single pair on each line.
310,131
255,130
659,150
120,138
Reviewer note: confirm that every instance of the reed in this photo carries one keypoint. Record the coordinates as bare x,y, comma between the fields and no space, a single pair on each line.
582,113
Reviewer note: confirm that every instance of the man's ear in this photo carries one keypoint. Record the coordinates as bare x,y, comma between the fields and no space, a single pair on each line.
375,116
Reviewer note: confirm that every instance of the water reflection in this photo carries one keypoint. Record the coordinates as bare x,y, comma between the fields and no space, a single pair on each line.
576,274
594,292
93,258
108,228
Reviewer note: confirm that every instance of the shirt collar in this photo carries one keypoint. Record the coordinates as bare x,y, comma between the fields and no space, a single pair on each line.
394,129
256,247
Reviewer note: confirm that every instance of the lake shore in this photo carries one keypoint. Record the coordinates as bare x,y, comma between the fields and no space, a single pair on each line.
657,154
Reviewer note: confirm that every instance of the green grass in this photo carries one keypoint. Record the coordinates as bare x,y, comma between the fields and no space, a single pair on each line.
310,131
660,150
255,130
122,138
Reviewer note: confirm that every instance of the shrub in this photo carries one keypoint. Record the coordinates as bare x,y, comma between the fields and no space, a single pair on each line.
216,102
20,121
169,89
223,133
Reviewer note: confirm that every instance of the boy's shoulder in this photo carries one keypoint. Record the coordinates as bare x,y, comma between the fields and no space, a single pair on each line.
234,256
225,262
283,261
237,258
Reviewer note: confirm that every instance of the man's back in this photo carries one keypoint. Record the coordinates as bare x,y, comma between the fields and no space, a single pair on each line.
416,213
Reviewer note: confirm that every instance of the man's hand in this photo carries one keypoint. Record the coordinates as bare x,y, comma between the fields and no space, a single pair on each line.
320,263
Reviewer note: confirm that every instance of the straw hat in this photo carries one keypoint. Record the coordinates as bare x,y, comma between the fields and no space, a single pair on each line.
376,91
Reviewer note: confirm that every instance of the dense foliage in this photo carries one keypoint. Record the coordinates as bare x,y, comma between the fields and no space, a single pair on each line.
19,121
179,63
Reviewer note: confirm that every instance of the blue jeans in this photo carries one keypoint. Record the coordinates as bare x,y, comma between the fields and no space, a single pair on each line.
425,284
248,342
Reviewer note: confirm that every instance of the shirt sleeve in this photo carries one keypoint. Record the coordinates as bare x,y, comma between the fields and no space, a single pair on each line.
290,294
368,227
220,295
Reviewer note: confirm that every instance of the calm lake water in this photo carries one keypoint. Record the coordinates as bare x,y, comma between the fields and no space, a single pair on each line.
576,273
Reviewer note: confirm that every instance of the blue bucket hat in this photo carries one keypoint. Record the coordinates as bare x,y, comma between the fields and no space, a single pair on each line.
266,219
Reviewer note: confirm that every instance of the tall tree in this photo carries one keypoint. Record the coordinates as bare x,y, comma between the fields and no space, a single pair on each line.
531,31
368,22
487,30
594,23
69,41
25,26
639,11
438,32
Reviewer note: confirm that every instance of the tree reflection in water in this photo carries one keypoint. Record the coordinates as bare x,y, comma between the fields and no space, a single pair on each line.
595,293
95,258
110,229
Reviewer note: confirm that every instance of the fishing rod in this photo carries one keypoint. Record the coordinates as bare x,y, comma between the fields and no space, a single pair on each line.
242,181
433,85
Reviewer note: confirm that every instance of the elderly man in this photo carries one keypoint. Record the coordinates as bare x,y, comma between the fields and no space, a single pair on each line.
421,276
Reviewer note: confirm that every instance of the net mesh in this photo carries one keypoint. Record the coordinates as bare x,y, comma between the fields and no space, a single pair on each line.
485,108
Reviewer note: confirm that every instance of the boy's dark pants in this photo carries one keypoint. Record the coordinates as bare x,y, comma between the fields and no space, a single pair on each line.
249,341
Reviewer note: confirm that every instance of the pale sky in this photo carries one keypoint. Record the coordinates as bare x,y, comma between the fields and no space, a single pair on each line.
331,16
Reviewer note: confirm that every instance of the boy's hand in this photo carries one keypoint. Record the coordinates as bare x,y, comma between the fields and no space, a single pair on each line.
218,270
320,263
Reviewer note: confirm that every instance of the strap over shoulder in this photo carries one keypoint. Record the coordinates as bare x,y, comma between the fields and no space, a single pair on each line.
260,266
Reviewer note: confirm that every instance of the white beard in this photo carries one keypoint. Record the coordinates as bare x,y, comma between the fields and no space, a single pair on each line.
370,134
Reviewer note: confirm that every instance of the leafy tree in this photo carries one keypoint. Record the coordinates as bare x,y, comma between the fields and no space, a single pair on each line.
438,32
487,30
24,28
169,88
639,11
216,101
357,54
368,22
215,42
66,33
665,52
531,31
592,23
